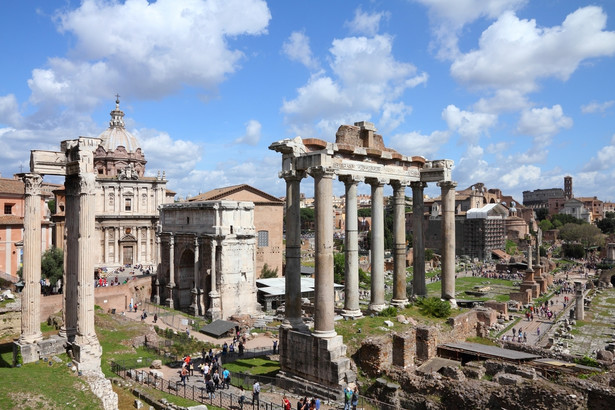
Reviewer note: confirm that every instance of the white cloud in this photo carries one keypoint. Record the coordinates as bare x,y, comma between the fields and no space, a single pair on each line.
514,54
543,123
521,176
365,23
470,125
9,111
176,157
297,48
145,49
252,135
356,91
393,114
603,160
595,106
448,17
415,143
504,100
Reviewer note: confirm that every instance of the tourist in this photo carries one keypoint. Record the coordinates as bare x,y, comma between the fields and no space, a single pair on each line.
256,391
347,397
286,403
242,397
211,389
216,379
300,404
355,398
226,378
224,348
183,374
275,346
240,348
155,317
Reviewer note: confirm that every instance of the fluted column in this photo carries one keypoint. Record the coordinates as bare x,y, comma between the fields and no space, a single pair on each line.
399,244
448,240
85,288
377,245
71,258
292,274
351,247
105,245
31,298
324,325
419,287
215,310
116,246
171,283
195,291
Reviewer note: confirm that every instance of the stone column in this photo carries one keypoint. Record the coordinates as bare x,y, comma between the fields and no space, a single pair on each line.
31,295
105,245
215,311
419,287
448,240
580,306
71,258
292,275
324,325
377,245
399,238
171,283
351,247
194,308
148,244
116,246
87,349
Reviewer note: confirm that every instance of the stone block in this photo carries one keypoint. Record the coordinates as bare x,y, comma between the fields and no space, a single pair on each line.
500,307
605,356
492,367
156,364
426,343
506,379
451,372
473,370
403,348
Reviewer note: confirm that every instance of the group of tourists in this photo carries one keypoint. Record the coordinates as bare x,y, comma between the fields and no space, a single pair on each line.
302,404
351,398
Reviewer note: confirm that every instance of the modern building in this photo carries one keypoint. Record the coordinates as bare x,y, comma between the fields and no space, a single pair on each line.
268,222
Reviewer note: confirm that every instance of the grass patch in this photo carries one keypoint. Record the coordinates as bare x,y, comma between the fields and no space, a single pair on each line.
255,366
481,340
40,386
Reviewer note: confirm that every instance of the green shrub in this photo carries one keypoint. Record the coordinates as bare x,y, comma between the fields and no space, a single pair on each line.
434,306
587,361
389,311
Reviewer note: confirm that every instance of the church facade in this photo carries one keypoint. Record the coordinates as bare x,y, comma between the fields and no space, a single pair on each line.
127,201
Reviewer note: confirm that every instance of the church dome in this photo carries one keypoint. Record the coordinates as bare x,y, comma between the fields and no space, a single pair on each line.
116,135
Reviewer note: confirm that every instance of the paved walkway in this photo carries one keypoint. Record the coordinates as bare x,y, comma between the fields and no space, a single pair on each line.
541,338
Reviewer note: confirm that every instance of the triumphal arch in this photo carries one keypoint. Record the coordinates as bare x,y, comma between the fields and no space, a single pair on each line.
357,156
75,162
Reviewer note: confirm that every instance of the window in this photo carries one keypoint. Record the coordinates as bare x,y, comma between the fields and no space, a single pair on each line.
8,209
263,238
128,204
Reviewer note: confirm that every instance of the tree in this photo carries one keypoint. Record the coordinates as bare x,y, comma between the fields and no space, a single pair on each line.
339,267
545,225
607,225
267,272
364,212
565,219
307,217
586,234
52,265
542,214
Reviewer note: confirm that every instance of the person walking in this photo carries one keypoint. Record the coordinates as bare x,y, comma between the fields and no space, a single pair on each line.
256,391
355,398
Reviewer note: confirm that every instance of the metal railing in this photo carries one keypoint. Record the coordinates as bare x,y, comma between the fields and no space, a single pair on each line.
219,398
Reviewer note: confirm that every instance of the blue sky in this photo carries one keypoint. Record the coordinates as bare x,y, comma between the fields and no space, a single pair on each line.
518,93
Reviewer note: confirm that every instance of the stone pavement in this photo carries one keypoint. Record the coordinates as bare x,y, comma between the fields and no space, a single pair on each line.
534,338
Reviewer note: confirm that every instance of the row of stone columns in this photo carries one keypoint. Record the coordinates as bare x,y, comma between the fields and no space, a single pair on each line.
324,297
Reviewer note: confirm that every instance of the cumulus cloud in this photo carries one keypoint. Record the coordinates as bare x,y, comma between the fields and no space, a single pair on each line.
354,89
543,123
470,125
9,111
252,135
172,46
594,107
415,143
163,153
365,23
603,160
514,53
524,175
297,48
448,17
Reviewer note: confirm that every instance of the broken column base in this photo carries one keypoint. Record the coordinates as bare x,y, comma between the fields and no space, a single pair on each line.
32,352
102,388
87,355
306,359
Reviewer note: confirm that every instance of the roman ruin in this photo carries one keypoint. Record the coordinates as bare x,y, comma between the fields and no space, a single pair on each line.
357,156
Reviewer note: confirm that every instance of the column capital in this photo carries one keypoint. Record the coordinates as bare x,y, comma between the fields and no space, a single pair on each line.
197,241
350,179
171,239
32,182
322,172
292,175
399,183
418,185
87,183
377,181
447,184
